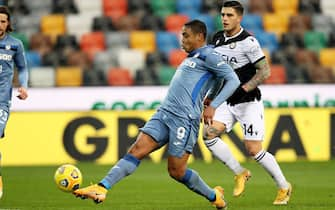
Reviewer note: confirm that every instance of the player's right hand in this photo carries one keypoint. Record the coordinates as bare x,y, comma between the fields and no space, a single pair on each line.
23,94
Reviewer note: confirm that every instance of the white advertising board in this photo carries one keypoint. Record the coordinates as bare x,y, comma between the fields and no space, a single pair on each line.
88,98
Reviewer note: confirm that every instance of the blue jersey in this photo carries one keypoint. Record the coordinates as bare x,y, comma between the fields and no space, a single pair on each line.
203,68
11,52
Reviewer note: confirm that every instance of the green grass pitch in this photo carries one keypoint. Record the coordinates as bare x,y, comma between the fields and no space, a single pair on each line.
151,188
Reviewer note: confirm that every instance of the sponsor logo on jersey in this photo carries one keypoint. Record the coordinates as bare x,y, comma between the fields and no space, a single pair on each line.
190,63
5,57
230,60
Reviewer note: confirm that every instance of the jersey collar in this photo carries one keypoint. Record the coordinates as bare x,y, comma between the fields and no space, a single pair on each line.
196,51
232,37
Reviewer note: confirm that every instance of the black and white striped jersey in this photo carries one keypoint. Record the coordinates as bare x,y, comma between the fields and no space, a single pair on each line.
241,52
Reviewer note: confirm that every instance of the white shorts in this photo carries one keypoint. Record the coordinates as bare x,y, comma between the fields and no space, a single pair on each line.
250,115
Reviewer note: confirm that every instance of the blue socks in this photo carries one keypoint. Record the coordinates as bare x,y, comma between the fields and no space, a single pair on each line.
194,182
128,164
124,167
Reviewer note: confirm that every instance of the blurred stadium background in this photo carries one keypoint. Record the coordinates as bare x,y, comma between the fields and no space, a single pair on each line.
136,42
98,68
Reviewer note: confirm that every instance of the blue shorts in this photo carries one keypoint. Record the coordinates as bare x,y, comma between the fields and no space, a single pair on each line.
4,114
166,128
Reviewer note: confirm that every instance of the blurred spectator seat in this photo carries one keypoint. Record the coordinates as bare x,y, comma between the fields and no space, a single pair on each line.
267,40
54,58
299,24
42,77
28,25
33,59
315,40
79,59
143,40
276,23
64,7
136,5
131,59
165,74
115,8
146,77
321,74
23,37
251,22
175,22
117,39
208,20
151,22
328,7
288,7
278,75
176,57
327,57
53,25
105,60
323,23
259,7
102,23
290,39
183,6
119,77
92,8
93,42
163,8
69,76
128,22
41,43
155,59
211,6
166,41
305,57
309,7
297,74
66,41
331,39
18,7
79,24
94,77
39,7
218,22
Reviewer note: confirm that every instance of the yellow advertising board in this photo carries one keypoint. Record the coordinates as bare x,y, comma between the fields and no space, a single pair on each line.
51,138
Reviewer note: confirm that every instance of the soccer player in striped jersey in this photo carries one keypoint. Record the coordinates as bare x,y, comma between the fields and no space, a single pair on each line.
243,52
177,121
11,53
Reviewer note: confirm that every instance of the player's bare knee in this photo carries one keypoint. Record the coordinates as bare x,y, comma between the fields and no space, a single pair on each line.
253,147
252,153
210,132
176,173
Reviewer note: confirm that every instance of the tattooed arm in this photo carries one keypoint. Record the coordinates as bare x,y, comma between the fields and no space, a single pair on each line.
262,73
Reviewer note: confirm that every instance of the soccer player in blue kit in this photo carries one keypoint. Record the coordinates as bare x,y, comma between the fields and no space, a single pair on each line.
11,52
177,121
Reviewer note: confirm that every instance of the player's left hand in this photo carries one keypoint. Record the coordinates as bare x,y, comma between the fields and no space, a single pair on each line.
23,94
208,114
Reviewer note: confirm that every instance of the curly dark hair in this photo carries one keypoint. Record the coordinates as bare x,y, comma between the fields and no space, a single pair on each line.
5,10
